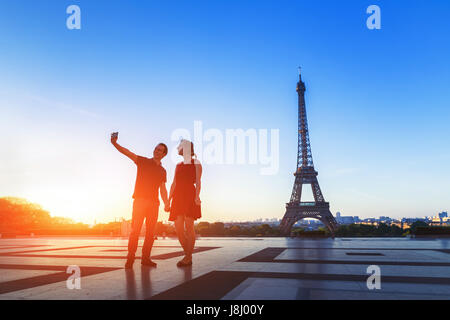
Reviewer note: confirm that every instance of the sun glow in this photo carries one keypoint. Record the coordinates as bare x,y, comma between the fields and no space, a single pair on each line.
80,203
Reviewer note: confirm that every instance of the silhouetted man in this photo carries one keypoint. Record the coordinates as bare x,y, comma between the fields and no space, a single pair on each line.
151,177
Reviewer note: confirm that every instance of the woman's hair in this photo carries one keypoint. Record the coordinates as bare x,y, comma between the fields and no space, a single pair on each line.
186,144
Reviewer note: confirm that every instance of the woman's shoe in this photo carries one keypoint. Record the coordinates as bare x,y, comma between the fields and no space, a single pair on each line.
183,263
129,264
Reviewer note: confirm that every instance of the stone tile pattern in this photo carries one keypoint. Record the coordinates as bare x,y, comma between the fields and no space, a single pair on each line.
227,268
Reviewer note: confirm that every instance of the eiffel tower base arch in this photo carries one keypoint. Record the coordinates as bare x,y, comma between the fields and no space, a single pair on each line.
296,212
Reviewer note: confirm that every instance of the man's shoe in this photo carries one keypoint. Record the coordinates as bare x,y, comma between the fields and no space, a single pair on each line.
148,263
129,263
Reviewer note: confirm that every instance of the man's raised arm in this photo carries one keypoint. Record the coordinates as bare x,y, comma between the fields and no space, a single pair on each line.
121,149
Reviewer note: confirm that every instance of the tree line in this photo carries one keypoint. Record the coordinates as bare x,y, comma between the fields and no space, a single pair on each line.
20,217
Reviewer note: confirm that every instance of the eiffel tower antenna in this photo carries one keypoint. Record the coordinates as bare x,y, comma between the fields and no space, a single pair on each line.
305,174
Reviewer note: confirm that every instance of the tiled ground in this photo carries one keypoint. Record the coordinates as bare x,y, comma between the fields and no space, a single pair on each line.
227,268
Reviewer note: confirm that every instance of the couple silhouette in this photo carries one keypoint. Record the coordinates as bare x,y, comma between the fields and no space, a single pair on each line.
183,202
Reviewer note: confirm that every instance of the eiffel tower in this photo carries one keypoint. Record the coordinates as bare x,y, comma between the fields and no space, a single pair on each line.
305,174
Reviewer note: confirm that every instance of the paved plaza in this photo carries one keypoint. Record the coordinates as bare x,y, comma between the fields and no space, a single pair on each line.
227,268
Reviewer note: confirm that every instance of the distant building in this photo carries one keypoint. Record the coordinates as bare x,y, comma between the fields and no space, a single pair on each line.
370,221
125,228
345,219
407,222
397,223
441,219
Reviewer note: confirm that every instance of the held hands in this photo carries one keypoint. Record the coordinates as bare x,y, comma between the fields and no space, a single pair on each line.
167,206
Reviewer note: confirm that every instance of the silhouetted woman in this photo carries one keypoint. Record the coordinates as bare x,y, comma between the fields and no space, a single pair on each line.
184,194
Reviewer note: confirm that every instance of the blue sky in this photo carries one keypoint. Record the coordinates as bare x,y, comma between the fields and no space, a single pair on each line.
377,100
